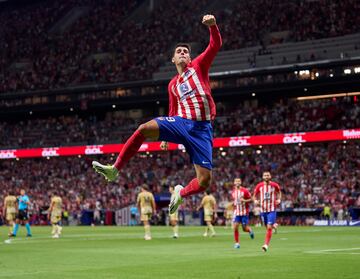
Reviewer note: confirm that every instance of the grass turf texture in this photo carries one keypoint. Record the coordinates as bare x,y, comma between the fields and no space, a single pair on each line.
121,252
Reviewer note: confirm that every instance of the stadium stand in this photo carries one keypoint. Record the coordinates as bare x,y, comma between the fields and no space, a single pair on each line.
36,57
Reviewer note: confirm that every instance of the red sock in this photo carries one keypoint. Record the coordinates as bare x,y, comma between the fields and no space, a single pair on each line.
130,148
192,188
268,236
236,236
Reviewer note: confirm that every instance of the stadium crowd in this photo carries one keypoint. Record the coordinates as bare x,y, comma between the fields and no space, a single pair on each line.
282,116
310,176
98,46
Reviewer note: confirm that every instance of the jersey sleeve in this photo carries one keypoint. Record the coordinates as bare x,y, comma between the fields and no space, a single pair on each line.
257,189
247,194
214,200
276,186
172,102
205,59
203,201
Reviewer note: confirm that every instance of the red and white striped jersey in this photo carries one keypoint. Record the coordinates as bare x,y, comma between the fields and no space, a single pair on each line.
241,208
190,93
267,195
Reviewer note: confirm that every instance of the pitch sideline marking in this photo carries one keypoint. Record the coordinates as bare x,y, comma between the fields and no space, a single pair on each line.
330,251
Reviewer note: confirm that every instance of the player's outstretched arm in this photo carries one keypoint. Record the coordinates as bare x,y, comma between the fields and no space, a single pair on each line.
278,201
206,58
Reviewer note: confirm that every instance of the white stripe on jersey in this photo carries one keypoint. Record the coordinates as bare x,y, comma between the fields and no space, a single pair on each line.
179,110
272,204
203,95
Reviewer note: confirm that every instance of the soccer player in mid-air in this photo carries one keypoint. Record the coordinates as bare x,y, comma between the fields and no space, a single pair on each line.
22,216
147,207
270,197
191,108
9,210
242,198
55,215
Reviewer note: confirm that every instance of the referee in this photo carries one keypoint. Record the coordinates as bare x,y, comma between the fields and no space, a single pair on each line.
22,216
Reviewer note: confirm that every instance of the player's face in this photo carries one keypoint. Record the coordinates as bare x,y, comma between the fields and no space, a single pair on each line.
237,182
181,56
22,192
171,190
266,176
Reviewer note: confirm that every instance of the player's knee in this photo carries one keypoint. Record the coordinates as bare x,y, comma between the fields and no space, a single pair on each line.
149,130
205,180
142,128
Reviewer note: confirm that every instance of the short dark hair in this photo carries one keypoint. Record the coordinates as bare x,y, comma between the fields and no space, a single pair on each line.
183,45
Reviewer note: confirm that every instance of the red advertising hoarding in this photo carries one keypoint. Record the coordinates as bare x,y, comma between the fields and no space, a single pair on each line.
292,138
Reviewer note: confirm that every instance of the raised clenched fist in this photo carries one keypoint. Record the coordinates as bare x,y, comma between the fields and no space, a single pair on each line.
208,20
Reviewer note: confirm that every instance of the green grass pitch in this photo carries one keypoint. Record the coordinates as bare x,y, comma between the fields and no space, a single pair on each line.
121,252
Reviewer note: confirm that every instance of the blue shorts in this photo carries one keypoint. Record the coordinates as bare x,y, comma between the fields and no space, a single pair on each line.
196,136
244,220
269,218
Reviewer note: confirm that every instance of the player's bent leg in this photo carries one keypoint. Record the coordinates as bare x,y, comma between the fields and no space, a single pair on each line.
175,228
195,186
28,230
59,228
206,233
11,227
53,231
149,130
246,228
204,176
265,247
211,229
198,184
147,230
236,235
16,228
275,227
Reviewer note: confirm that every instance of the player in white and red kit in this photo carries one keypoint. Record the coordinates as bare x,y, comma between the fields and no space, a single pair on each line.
191,108
241,198
270,197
